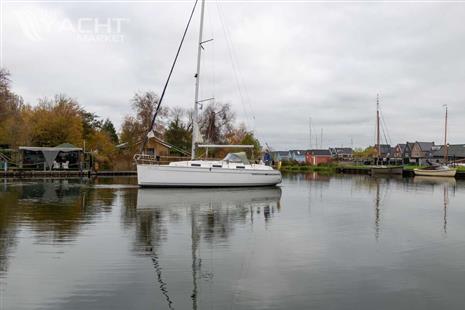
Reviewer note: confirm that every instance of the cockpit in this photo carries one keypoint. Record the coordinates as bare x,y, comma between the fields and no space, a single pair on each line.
240,157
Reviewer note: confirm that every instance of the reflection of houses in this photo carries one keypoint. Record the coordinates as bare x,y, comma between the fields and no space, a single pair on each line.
455,152
317,157
341,153
297,155
280,155
64,156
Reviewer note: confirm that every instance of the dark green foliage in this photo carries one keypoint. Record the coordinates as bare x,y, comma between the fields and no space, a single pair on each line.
109,128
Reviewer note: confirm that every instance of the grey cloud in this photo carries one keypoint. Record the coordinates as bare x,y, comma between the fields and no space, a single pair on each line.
296,60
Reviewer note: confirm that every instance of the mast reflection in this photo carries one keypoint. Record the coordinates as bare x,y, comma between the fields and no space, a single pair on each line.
213,214
446,184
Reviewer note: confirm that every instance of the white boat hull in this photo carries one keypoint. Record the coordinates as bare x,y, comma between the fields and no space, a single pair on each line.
183,176
435,173
387,170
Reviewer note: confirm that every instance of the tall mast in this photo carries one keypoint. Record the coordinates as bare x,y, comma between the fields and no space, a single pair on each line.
195,124
377,127
310,131
446,148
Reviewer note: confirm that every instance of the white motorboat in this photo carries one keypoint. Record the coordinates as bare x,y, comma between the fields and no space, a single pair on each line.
233,170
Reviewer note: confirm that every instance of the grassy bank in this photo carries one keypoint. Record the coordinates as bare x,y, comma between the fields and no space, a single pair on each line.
308,168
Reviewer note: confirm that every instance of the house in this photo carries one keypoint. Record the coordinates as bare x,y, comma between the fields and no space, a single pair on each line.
421,151
317,157
455,153
398,151
297,155
341,153
385,151
280,155
155,147
408,152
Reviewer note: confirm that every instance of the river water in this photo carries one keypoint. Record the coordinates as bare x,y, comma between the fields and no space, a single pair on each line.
315,242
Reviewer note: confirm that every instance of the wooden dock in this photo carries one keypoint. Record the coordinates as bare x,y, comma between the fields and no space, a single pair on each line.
63,173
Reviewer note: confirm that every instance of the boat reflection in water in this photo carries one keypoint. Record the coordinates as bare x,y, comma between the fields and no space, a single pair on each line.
177,197
212,213
447,184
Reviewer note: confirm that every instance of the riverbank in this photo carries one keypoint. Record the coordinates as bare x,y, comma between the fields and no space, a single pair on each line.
354,169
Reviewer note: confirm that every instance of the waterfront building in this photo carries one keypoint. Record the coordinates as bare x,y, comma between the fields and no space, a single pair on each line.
317,157
341,153
297,155
422,152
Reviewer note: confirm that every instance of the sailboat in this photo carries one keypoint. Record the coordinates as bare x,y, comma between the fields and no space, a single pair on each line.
437,170
234,170
382,169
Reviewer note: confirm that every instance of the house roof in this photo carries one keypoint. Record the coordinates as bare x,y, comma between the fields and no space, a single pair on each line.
454,150
425,146
165,144
384,148
320,152
281,153
401,146
341,150
409,146
298,152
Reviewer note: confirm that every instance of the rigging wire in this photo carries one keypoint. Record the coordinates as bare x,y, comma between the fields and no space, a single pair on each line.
384,132
387,128
169,77
240,85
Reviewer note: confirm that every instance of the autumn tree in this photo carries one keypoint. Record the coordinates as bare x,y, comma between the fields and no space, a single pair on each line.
135,127
216,121
56,121
13,125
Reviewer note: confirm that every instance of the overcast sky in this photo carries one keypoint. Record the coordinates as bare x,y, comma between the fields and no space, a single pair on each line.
277,63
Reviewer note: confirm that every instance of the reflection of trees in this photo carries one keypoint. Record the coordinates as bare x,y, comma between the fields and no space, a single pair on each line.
54,210
218,222
8,227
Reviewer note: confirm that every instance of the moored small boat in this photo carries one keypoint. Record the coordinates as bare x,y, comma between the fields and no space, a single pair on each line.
435,171
387,170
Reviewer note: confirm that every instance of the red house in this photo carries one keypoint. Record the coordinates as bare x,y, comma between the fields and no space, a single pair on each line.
317,157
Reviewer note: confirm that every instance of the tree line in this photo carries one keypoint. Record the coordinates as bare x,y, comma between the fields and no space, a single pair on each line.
61,119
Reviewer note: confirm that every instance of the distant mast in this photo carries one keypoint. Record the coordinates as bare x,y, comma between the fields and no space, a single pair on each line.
377,128
446,147
195,124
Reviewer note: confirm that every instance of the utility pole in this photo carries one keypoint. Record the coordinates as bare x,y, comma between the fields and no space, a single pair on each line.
321,139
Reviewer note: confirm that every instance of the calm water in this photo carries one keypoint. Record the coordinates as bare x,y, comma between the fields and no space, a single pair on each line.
342,242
